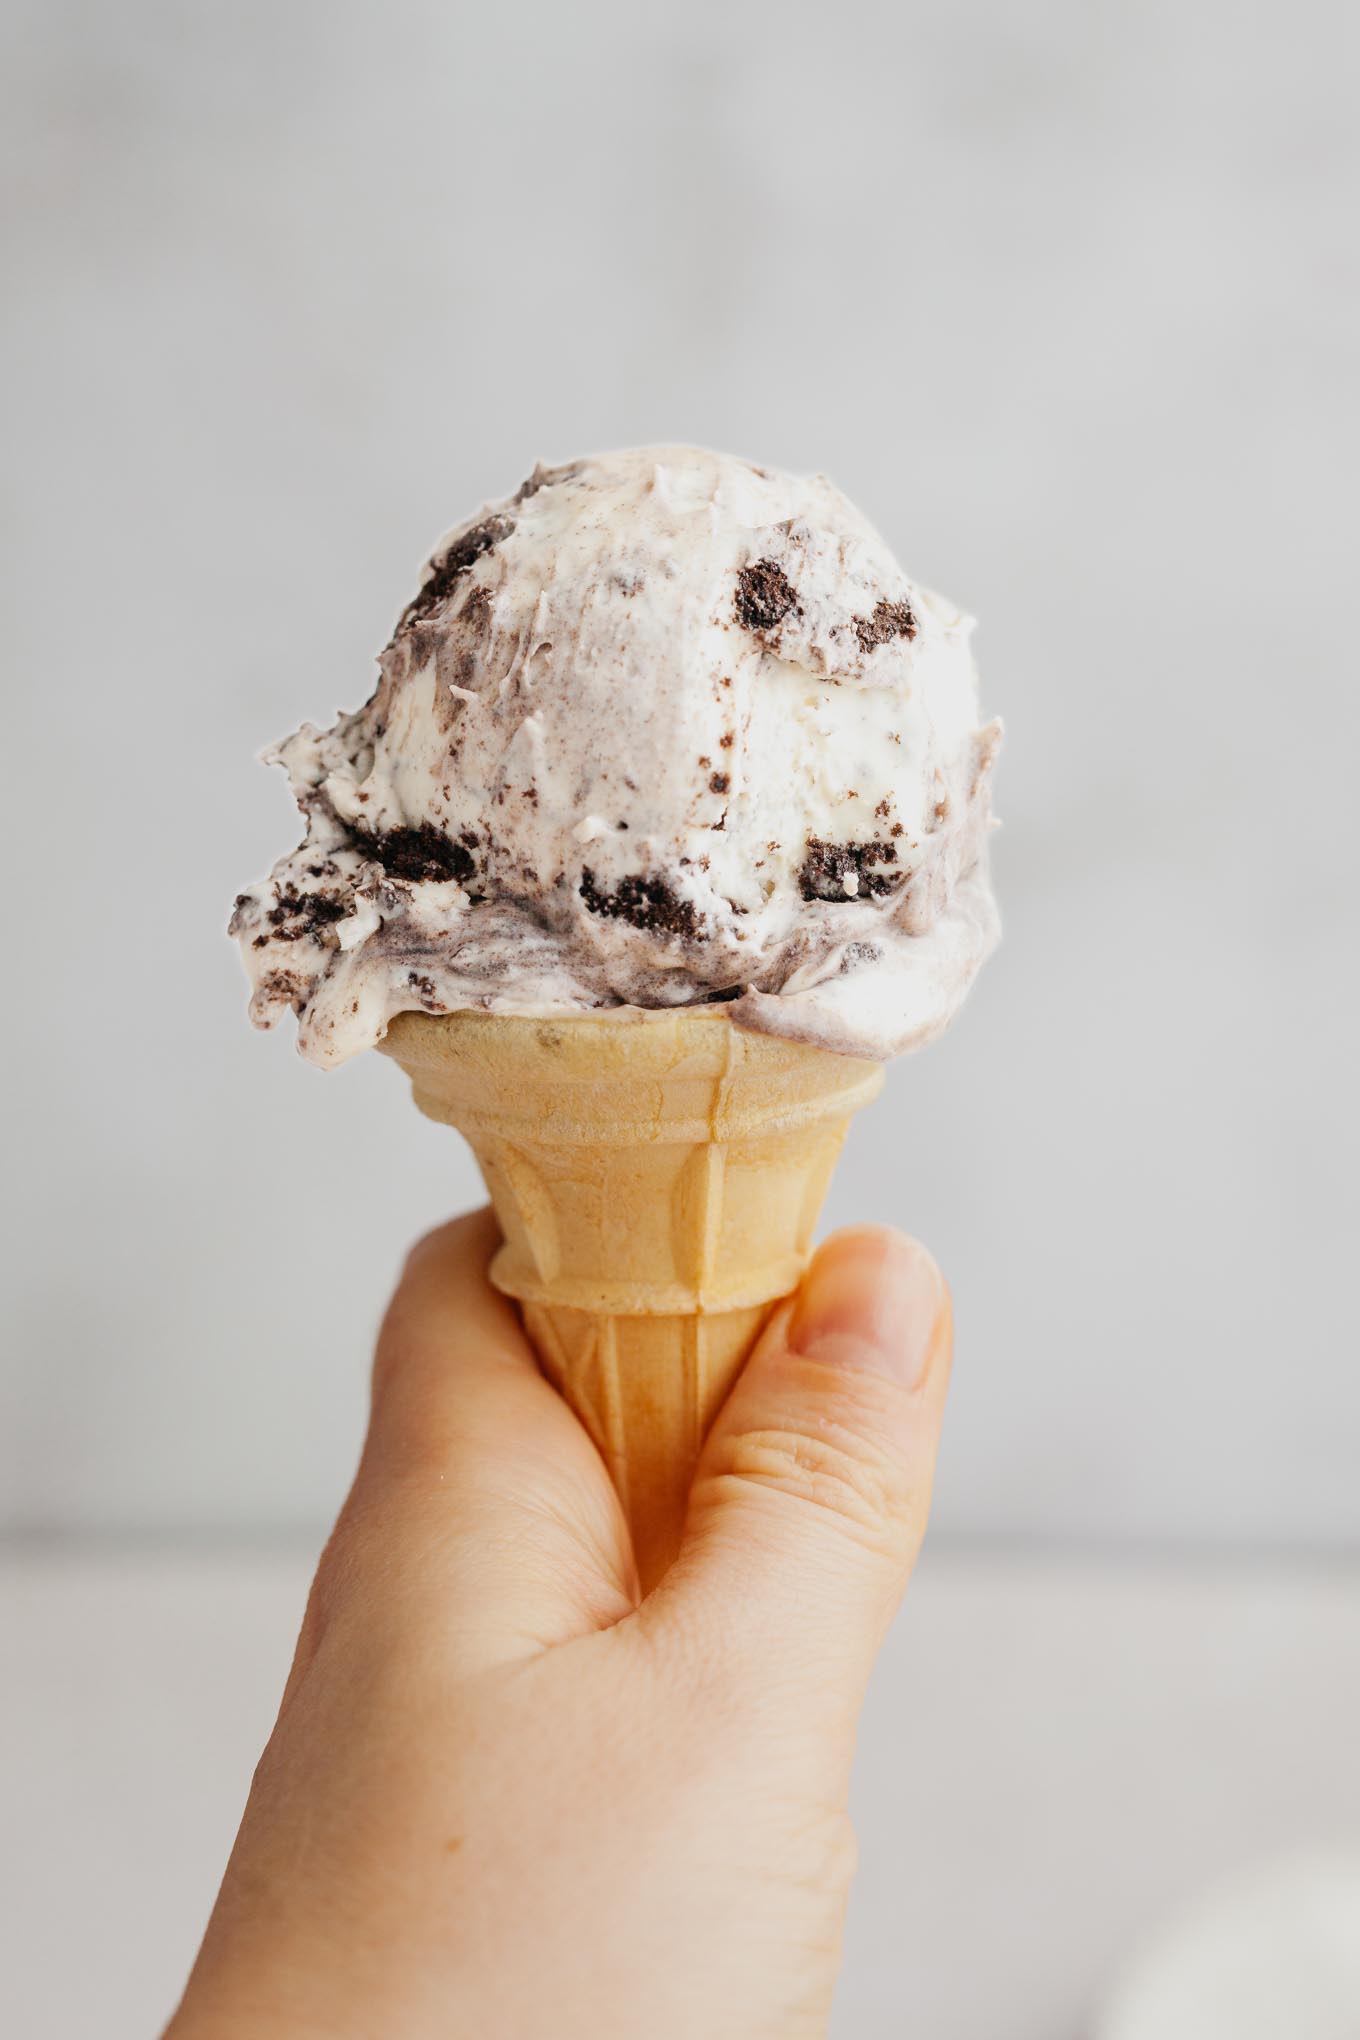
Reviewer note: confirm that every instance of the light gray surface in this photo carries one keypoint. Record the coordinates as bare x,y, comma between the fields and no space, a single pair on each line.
1061,295
1055,1756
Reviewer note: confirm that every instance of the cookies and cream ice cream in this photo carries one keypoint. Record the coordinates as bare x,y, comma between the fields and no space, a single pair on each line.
662,728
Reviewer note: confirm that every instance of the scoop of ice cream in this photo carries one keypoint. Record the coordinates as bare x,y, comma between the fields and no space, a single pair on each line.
662,728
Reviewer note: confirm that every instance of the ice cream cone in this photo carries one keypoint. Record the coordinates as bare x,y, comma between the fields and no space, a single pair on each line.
657,1179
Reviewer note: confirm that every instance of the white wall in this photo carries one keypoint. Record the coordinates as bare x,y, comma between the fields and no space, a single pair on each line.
1062,295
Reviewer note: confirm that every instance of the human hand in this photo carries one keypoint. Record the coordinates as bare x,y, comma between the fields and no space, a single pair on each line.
504,1800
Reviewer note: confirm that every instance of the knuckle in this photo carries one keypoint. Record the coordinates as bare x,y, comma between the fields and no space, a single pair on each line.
429,1247
830,1851
831,1470
387,1360
336,1574
817,1852
454,1235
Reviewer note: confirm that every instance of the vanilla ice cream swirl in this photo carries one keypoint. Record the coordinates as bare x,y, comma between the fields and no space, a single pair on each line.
662,728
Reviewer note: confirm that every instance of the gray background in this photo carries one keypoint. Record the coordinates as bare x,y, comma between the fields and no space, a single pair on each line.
1066,297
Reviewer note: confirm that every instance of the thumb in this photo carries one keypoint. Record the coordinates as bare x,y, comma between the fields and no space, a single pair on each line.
810,1500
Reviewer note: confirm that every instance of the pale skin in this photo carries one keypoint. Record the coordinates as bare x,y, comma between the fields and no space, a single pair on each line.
506,1799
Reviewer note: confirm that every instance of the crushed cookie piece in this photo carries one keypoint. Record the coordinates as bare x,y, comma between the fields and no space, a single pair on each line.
765,596
857,953
460,558
420,854
644,902
301,914
546,478
284,984
887,620
827,867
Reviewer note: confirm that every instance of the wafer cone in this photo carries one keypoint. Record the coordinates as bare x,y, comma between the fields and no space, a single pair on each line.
657,1178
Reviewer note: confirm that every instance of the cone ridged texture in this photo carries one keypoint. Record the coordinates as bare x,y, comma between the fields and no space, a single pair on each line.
657,1180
